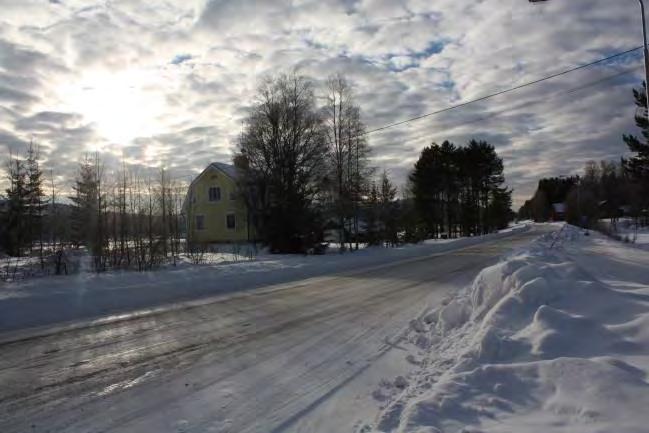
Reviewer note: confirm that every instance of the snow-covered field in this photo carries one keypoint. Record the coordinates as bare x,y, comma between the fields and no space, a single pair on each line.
554,338
57,299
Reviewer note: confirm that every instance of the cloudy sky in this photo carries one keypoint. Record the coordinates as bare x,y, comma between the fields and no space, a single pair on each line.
167,83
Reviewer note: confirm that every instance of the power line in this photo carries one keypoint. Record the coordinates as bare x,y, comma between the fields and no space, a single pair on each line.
491,95
509,90
534,102
607,78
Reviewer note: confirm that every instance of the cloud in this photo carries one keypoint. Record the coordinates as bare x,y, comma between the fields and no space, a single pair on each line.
9,95
168,82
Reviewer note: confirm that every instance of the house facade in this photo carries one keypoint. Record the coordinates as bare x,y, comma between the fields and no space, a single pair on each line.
214,210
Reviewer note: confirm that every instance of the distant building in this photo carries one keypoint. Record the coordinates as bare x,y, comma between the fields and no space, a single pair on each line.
214,211
558,212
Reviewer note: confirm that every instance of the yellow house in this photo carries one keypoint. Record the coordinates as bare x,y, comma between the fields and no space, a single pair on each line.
214,210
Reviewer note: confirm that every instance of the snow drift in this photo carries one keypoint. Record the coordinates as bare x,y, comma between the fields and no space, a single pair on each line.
537,343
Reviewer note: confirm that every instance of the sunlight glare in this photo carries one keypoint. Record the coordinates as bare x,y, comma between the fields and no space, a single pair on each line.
121,105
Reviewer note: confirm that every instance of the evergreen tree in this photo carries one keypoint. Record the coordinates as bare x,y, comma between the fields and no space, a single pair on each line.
35,199
638,165
86,208
372,227
500,208
459,189
426,185
388,210
15,218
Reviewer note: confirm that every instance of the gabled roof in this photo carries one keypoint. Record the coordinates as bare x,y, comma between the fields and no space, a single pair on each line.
228,169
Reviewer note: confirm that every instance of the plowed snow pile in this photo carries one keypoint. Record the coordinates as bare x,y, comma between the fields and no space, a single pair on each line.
552,339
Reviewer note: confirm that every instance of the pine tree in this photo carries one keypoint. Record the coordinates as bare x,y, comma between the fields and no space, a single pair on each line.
454,189
426,186
500,208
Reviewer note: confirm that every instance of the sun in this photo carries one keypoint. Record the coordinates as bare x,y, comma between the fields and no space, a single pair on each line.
122,105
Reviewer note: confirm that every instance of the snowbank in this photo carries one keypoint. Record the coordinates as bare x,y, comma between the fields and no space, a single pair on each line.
550,339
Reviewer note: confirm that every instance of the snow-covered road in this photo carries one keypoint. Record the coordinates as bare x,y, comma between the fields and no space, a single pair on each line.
258,361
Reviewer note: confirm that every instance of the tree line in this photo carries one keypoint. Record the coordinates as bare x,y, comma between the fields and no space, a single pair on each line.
22,221
306,176
122,220
459,191
305,168
605,189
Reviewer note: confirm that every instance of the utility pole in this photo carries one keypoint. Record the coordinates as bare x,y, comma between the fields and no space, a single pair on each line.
646,57
358,194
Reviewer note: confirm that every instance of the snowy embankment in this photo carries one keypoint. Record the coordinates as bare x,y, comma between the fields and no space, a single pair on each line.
85,296
552,339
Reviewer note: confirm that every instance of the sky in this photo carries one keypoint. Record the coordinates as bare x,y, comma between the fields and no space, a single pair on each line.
162,83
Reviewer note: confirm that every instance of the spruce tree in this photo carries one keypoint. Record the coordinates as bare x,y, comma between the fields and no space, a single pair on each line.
15,221
85,201
35,200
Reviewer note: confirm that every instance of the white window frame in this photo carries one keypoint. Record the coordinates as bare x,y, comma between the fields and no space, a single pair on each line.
209,197
233,214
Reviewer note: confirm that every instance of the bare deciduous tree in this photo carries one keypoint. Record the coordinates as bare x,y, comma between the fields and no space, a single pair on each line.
284,147
348,154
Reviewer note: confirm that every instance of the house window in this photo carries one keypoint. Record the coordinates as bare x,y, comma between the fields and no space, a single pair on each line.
233,195
214,193
230,221
200,222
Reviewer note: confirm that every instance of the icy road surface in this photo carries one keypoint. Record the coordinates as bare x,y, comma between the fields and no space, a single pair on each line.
260,361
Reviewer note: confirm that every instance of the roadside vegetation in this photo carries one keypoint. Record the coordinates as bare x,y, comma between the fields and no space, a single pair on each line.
306,173
606,193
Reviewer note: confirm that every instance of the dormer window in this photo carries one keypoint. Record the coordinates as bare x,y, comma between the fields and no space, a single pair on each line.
214,193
